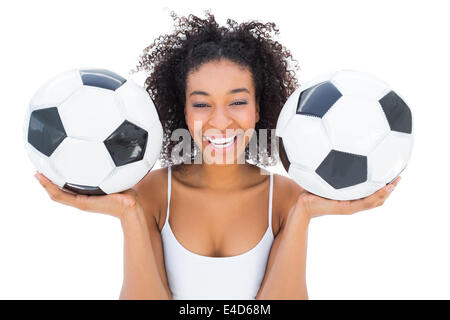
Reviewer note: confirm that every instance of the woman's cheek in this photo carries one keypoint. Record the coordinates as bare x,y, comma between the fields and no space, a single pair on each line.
245,114
246,122
195,122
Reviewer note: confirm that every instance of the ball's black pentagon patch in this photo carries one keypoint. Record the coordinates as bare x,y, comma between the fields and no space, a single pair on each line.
397,112
45,130
342,169
127,143
101,78
80,189
317,100
283,155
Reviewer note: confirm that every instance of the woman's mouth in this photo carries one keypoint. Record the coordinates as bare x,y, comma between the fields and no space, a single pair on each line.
222,143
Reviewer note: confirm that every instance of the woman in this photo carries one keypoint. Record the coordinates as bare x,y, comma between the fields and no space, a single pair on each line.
218,228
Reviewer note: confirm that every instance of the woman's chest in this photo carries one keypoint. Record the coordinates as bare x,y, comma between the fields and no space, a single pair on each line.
219,224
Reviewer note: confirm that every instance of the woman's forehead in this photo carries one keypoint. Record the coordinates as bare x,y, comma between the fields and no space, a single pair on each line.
219,76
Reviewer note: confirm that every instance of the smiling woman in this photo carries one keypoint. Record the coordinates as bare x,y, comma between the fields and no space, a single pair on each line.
266,64
226,115
224,85
215,229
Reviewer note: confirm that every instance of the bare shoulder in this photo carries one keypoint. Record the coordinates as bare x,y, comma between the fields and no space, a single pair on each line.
286,192
151,191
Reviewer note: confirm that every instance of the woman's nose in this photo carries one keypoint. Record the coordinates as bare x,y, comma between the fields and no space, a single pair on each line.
220,119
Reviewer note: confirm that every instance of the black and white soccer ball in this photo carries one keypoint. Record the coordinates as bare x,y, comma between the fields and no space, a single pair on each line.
345,135
92,131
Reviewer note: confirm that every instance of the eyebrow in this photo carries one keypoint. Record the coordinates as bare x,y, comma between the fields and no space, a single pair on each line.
203,93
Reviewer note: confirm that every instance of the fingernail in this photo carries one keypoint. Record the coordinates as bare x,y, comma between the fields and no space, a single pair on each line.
390,188
36,175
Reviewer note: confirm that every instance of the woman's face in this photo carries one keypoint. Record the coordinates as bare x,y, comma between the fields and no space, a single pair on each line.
220,105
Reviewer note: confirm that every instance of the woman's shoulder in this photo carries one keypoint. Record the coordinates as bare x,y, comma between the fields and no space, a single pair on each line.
286,192
287,184
152,180
151,191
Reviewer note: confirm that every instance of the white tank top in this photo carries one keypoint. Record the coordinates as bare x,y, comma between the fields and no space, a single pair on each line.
194,276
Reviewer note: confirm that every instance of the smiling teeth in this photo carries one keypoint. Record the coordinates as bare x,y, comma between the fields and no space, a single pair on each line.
221,142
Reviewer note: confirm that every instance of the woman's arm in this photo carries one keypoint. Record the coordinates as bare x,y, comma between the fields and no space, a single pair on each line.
285,276
142,278
144,273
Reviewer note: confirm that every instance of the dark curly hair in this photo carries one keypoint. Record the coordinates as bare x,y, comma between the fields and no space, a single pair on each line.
195,41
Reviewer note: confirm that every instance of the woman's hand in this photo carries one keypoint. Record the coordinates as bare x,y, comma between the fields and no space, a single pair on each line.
116,204
315,206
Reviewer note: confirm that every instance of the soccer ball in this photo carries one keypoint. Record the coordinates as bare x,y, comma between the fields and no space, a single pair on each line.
345,135
92,131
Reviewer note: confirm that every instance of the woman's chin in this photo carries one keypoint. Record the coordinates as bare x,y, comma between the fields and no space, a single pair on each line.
223,158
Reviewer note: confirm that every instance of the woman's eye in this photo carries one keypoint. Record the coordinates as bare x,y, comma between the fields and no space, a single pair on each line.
238,103
200,105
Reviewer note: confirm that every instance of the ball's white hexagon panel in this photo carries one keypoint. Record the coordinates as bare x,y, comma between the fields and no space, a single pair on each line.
360,84
390,157
287,112
56,90
313,183
82,162
44,165
91,113
125,177
358,191
154,144
305,140
137,106
355,125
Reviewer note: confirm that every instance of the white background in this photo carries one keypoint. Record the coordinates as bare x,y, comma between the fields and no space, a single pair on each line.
397,251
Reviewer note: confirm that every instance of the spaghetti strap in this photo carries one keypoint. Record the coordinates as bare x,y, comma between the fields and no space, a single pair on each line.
169,189
270,201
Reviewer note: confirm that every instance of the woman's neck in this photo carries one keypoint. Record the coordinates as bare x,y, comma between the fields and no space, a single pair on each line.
228,177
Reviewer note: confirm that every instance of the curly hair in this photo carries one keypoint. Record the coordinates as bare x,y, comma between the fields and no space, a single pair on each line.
195,41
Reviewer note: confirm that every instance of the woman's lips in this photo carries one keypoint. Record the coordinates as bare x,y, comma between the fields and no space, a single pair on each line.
223,146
